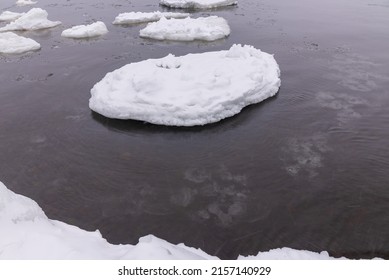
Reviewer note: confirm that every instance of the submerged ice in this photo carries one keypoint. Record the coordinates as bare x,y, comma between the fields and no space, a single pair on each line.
194,89
197,4
187,29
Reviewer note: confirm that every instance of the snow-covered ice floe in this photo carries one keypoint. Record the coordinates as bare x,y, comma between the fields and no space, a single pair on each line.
10,43
187,29
139,17
194,89
34,19
27,233
10,16
197,4
25,2
86,31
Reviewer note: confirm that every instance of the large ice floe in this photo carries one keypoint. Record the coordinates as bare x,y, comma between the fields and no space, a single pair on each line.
194,89
197,4
27,233
187,29
10,16
10,43
34,19
86,31
140,17
25,2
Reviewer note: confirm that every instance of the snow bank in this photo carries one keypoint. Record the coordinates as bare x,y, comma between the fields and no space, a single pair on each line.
187,29
25,2
10,16
11,43
34,19
86,31
195,89
197,4
139,17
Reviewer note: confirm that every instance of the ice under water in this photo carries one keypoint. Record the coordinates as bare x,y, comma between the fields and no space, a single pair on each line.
308,169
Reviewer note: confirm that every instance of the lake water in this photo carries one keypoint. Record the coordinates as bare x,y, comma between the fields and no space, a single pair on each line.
308,169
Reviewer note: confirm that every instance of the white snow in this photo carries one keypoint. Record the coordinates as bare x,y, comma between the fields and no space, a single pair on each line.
187,29
195,89
34,19
86,31
10,16
139,17
11,43
25,2
27,233
197,4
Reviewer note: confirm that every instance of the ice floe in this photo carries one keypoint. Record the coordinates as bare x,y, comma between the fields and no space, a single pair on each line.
34,19
25,2
194,89
86,31
187,29
10,16
11,43
139,17
197,4
27,233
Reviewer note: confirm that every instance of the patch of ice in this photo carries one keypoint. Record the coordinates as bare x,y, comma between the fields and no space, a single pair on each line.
197,4
10,16
139,17
11,43
195,89
34,19
86,31
187,29
25,2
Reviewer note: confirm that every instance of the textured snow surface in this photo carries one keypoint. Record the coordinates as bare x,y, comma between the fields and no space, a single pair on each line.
139,17
27,233
34,19
187,29
86,31
197,4
25,2
10,43
10,16
195,89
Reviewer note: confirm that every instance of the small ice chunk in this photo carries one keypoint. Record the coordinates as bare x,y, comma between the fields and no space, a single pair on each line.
10,43
197,4
10,16
187,29
25,2
139,17
194,89
34,19
86,31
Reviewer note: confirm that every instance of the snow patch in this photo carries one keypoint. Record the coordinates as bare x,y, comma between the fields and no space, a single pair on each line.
10,16
86,31
34,19
197,4
11,43
139,17
194,89
187,29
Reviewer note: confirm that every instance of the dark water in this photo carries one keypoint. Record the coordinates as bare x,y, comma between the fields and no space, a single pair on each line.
308,169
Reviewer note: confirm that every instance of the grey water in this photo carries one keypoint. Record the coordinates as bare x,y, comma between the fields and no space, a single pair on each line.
308,169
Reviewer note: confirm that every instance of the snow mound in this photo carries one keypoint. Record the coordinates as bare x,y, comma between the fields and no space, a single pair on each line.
25,2
34,19
289,254
197,4
195,89
10,16
11,43
86,31
139,17
187,29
